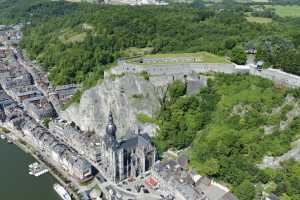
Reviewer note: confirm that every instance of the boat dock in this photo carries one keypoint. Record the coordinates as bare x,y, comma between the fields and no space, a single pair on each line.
37,169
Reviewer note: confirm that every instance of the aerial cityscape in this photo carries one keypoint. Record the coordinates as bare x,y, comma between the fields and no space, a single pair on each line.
150,100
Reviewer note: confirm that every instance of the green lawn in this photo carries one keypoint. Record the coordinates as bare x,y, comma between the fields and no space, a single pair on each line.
261,20
255,1
286,11
71,36
134,51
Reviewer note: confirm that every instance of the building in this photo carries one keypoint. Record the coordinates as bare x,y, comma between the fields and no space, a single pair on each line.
128,158
22,80
14,116
2,114
65,92
39,108
21,93
29,127
71,134
71,161
3,52
5,99
175,181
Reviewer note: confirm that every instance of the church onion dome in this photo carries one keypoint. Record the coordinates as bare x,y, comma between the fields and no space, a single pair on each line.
111,127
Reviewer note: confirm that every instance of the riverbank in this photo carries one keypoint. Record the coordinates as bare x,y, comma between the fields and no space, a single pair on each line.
16,183
29,150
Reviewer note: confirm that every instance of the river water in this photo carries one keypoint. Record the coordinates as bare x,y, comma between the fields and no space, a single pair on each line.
16,183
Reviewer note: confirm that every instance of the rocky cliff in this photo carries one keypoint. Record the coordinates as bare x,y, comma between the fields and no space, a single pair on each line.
125,96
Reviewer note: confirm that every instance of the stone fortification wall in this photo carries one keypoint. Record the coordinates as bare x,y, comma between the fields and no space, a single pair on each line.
171,69
279,77
167,70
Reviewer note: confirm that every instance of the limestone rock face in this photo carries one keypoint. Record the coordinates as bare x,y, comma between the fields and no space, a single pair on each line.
125,97
274,162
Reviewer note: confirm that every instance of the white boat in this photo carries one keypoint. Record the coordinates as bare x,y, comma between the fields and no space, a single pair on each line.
3,137
33,165
61,191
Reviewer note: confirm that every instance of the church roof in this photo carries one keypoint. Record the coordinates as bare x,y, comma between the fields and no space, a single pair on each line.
135,141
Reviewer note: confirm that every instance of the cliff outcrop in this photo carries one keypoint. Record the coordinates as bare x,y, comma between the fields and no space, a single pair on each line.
125,96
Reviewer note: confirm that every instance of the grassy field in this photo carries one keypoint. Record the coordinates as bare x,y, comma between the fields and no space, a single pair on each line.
71,36
286,11
255,1
200,57
133,51
261,20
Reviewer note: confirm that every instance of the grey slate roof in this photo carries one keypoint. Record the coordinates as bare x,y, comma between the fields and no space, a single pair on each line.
133,142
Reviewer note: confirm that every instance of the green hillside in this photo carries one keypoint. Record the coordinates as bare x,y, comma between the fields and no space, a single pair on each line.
77,42
224,126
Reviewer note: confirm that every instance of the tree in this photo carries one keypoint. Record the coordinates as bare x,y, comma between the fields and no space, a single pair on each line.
230,43
176,89
238,56
245,191
46,122
279,52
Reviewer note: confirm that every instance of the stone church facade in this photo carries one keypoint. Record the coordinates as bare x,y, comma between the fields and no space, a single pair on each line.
127,158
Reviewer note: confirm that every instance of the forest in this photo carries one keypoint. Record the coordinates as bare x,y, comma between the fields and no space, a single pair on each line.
75,41
224,126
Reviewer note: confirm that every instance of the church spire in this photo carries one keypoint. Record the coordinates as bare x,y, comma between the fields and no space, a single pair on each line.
111,128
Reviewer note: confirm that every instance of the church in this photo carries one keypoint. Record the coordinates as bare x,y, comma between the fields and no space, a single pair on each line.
127,158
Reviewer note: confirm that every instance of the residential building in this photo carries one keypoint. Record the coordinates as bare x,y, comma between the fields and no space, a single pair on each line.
39,108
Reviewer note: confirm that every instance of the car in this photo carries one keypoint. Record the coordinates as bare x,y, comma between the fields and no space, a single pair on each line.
111,192
146,191
119,196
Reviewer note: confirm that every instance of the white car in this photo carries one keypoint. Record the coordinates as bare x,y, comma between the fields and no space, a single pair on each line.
119,196
111,192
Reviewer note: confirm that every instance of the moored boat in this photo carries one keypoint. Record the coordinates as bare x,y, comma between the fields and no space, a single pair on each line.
3,137
61,191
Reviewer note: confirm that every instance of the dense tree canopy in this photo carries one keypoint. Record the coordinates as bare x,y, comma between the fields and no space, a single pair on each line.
73,40
225,124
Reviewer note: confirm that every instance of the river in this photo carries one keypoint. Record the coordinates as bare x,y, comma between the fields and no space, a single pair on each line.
16,183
